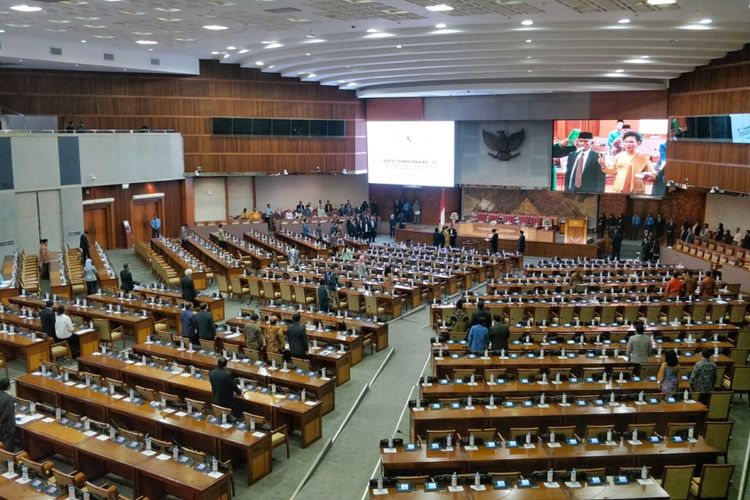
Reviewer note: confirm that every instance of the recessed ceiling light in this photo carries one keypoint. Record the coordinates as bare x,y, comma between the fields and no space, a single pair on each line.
214,27
315,40
645,57
441,7
243,51
311,75
379,34
215,53
527,22
705,21
259,63
351,84
271,66
150,50
446,31
660,2
529,70
146,42
227,55
624,20
372,30
169,19
2,31
273,45
614,74
167,9
231,47
441,25
528,57
58,21
696,27
25,8
83,41
638,61
308,54
528,40
309,36
619,71
398,46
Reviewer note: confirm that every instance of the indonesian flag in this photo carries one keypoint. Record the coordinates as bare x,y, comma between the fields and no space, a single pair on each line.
442,208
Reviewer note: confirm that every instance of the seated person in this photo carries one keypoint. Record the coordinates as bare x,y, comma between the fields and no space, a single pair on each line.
255,216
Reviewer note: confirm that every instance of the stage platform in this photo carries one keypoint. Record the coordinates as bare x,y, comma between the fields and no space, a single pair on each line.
423,234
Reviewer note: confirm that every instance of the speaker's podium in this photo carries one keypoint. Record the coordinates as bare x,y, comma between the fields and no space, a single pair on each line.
576,231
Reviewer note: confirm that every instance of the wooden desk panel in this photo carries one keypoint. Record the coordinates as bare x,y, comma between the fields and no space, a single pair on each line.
215,304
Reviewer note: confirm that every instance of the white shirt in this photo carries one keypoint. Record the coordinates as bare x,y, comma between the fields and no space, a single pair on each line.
63,326
737,237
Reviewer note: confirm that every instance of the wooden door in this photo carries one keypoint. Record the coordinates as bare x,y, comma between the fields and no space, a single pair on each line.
142,211
97,220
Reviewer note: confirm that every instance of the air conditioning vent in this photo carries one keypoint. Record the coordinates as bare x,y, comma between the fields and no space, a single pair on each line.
282,10
155,62
55,51
109,57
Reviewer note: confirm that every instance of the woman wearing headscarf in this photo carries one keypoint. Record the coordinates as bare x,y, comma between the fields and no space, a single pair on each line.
90,277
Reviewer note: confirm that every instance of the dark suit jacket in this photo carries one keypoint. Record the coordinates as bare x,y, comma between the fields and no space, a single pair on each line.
47,317
204,323
481,313
593,178
126,281
297,338
499,333
188,288
223,387
324,301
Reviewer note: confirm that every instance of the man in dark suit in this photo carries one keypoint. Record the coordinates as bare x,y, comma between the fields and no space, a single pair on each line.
47,318
7,416
617,244
521,244
297,338
223,386
84,246
499,333
584,174
188,287
126,279
204,323
494,240
482,313
324,301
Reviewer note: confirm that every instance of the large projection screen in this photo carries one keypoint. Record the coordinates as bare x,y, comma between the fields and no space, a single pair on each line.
411,153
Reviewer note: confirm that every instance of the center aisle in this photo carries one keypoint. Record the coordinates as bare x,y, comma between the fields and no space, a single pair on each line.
346,469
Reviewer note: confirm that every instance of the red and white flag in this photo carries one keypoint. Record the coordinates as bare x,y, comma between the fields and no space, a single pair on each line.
442,208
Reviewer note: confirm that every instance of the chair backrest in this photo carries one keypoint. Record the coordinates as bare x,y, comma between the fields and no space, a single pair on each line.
6,455
103,327
586,314
195,455
717,434
108,492
718,405
146,393
505,476
562,431
42,469
439,435
485,435
739,356
222,283
208,345
595,373
371,305
527,373
718,311
131,435
161,446
649,370
740,378
117,384
196,405
302,363
677,428
62,479
231,348
644,430
607,314
413,481
675,480
252,354
171,399
563,372
299,294
595,431
221,410
258,419
274,356
51,367
715,480
494,373
565,315
520,432
286,292
463,374
698,312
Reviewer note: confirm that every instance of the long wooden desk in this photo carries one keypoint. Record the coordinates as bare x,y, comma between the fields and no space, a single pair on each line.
323,390
446,365
10,489
651,491
502,418
223,442
332,359
218,260
304,416
542,457
260,258
573,345
167,311
94,457
181,263
215,304
140,326
380,329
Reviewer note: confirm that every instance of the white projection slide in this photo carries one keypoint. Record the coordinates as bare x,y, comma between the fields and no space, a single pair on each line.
411,153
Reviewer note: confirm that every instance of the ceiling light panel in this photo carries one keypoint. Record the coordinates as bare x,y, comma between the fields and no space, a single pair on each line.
614,6
463,8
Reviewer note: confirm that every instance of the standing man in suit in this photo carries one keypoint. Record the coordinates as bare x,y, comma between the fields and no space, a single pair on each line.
155,226
204,323
617,244
297,338
44,259
499,333
84,246
224,387
188,286
324,301
47,318
584,174
521,243
126,279
494,241
7,416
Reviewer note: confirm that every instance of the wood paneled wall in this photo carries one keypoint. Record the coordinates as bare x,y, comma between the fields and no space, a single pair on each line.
679,205
720,87
173,203
187,104
637,104
429,199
